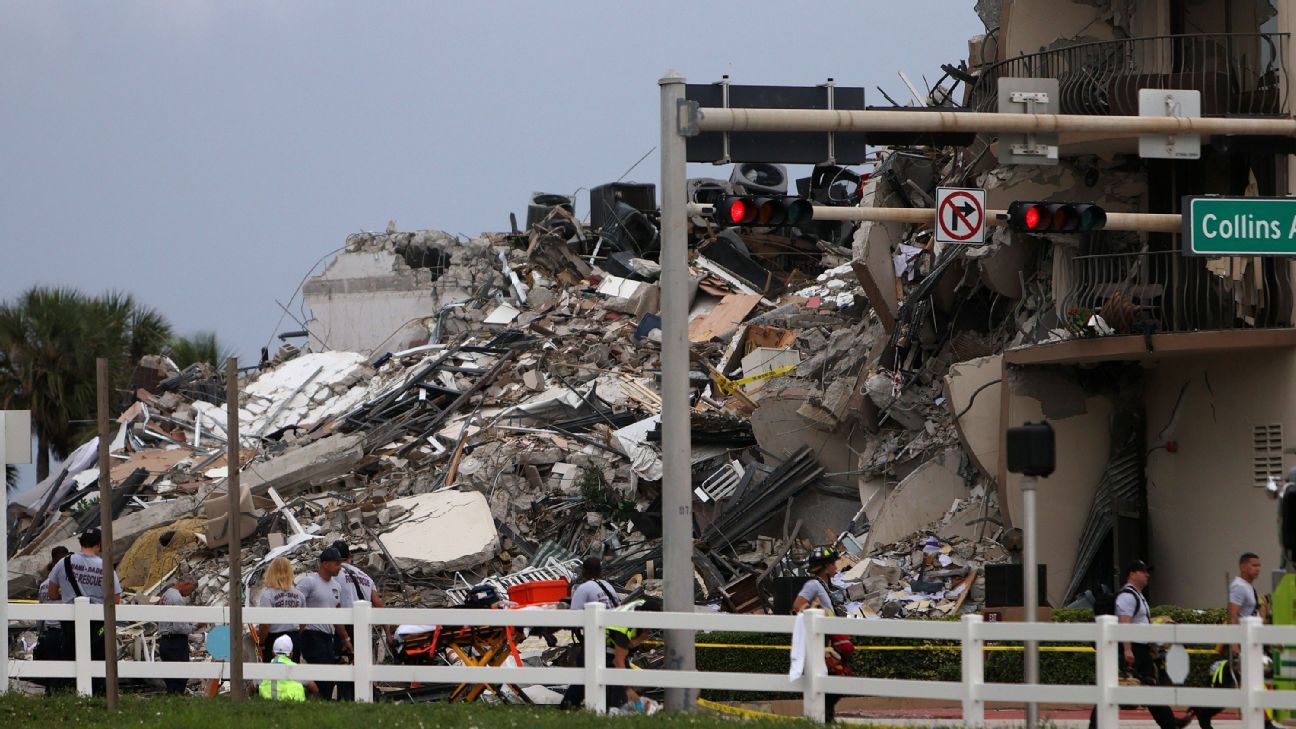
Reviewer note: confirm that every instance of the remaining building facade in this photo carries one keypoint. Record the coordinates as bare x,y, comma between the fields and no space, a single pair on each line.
1172,418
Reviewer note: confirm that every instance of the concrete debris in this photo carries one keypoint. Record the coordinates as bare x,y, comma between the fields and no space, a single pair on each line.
489,410
447,530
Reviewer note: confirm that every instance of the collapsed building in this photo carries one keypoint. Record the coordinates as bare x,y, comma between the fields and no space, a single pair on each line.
488,409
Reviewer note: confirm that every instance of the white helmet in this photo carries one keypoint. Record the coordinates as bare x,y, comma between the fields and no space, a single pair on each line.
283,645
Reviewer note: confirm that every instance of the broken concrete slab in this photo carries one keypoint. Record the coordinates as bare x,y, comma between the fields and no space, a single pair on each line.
324,459
920,499
447,530
973,395
781,430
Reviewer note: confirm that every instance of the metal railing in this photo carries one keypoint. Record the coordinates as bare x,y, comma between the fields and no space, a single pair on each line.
1163,291
970,634
1237,73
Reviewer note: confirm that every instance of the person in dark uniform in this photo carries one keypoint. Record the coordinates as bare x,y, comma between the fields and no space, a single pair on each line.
173,641
49,647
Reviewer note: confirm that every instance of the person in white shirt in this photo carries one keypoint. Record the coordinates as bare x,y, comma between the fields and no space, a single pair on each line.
1136,658
82,575
1243,602
593,588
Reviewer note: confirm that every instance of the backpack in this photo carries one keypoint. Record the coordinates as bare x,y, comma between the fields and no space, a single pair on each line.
1105,601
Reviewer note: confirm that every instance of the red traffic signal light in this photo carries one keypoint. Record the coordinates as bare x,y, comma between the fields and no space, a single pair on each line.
771,211
1051,217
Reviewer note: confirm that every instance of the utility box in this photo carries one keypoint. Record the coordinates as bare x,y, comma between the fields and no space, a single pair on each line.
1003,586
641,196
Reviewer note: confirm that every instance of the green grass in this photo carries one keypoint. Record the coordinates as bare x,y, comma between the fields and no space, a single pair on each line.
180,713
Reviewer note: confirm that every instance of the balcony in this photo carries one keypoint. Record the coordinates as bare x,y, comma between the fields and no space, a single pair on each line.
1149,292
1238,74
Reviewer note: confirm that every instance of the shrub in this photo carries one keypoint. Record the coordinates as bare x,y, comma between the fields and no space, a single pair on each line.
937,660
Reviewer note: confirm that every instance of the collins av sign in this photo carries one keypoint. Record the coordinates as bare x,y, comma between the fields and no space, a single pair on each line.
1239,226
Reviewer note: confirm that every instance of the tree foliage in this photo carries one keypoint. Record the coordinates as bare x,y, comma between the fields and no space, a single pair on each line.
50,338
199,347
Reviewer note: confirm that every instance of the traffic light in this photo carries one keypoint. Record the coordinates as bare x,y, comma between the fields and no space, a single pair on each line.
1054,217
765,211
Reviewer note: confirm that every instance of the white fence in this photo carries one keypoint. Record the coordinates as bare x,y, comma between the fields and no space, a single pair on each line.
972,634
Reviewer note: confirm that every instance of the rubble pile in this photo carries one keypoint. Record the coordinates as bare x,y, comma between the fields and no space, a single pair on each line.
513,427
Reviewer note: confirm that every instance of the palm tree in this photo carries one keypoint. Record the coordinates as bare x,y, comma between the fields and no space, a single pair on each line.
199,347
49,340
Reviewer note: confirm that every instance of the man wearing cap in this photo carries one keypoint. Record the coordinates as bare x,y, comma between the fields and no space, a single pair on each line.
322,589
1136,658
285,689
356,586
82,575
173,641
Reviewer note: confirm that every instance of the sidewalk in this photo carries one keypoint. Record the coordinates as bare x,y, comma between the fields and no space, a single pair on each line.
928,713
1060,718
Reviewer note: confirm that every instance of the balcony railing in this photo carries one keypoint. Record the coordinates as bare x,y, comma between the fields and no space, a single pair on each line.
1163,291
1240,74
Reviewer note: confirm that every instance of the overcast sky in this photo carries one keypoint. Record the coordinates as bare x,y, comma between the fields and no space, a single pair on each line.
204,155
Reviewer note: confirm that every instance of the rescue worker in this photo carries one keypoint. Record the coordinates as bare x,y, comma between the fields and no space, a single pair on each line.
49,647
173,641
278,591
285,689
82,575
356,586
1243,602
817,593
322,589
1136,658
593,587
620,642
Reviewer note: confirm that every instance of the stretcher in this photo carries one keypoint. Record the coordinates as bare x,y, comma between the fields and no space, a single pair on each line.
469,646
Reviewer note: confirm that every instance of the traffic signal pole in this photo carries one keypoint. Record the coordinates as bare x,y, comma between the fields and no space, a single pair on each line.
1144,222
680,120
708,119
677,473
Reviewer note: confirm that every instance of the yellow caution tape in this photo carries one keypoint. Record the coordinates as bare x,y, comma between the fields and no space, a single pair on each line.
728,386
739,711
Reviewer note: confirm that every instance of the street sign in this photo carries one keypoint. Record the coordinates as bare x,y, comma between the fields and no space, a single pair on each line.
1028,96
1239,226
1170,103
843,148
960,215
15,429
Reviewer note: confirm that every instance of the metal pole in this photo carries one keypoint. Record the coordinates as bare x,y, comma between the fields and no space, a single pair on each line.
1144,222
823,120
677,494
4,567
1030,591
232,461
106,531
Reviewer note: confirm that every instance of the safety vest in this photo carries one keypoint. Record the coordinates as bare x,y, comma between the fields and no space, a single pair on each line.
283,689
629,633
